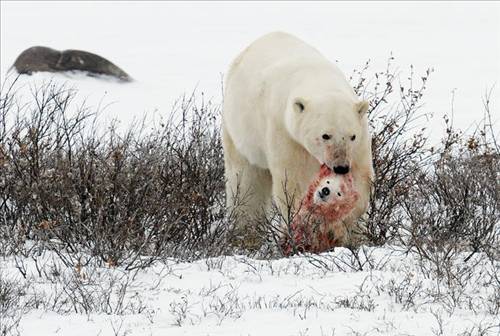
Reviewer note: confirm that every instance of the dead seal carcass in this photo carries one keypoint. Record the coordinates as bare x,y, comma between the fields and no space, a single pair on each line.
38,58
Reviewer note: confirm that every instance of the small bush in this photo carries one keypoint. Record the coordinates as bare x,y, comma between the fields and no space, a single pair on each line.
434,199
114,196
11,307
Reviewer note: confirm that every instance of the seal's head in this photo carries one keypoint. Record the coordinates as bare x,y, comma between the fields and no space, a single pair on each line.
331,195
330,199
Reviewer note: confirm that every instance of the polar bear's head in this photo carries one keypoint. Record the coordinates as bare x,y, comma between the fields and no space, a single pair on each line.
331,127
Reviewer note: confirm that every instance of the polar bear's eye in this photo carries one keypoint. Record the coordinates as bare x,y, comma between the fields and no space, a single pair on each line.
353,137
300,106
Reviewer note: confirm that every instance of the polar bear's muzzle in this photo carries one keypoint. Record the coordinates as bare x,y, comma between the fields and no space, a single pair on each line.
338,158
340,167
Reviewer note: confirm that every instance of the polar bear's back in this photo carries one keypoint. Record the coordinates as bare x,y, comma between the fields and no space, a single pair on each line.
273,49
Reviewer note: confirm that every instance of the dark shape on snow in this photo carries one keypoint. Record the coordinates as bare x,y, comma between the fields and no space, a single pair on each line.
36,59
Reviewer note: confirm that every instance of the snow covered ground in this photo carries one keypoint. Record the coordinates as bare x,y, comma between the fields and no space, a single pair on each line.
171,48
308,295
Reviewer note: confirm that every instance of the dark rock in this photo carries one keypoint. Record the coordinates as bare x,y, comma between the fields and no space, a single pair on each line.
36,59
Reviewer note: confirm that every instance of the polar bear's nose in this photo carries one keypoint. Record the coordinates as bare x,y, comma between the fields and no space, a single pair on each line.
341,170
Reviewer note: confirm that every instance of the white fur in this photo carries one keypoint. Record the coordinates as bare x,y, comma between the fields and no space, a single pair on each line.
268,141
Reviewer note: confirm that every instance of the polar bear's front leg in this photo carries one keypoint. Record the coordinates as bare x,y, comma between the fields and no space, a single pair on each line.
290,180
292,169
248,187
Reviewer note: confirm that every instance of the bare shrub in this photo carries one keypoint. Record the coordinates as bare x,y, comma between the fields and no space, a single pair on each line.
86,293
456,206
116,196
398,145
442,197
12,306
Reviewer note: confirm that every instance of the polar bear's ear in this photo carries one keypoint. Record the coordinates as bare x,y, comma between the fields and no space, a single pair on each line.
299,105
362,107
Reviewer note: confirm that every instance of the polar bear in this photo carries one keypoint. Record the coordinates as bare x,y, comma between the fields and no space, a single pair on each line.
318,222
287,110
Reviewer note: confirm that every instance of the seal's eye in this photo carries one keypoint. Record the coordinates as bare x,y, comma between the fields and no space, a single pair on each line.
353,137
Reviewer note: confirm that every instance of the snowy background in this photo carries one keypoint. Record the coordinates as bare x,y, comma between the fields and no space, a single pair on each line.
171,49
